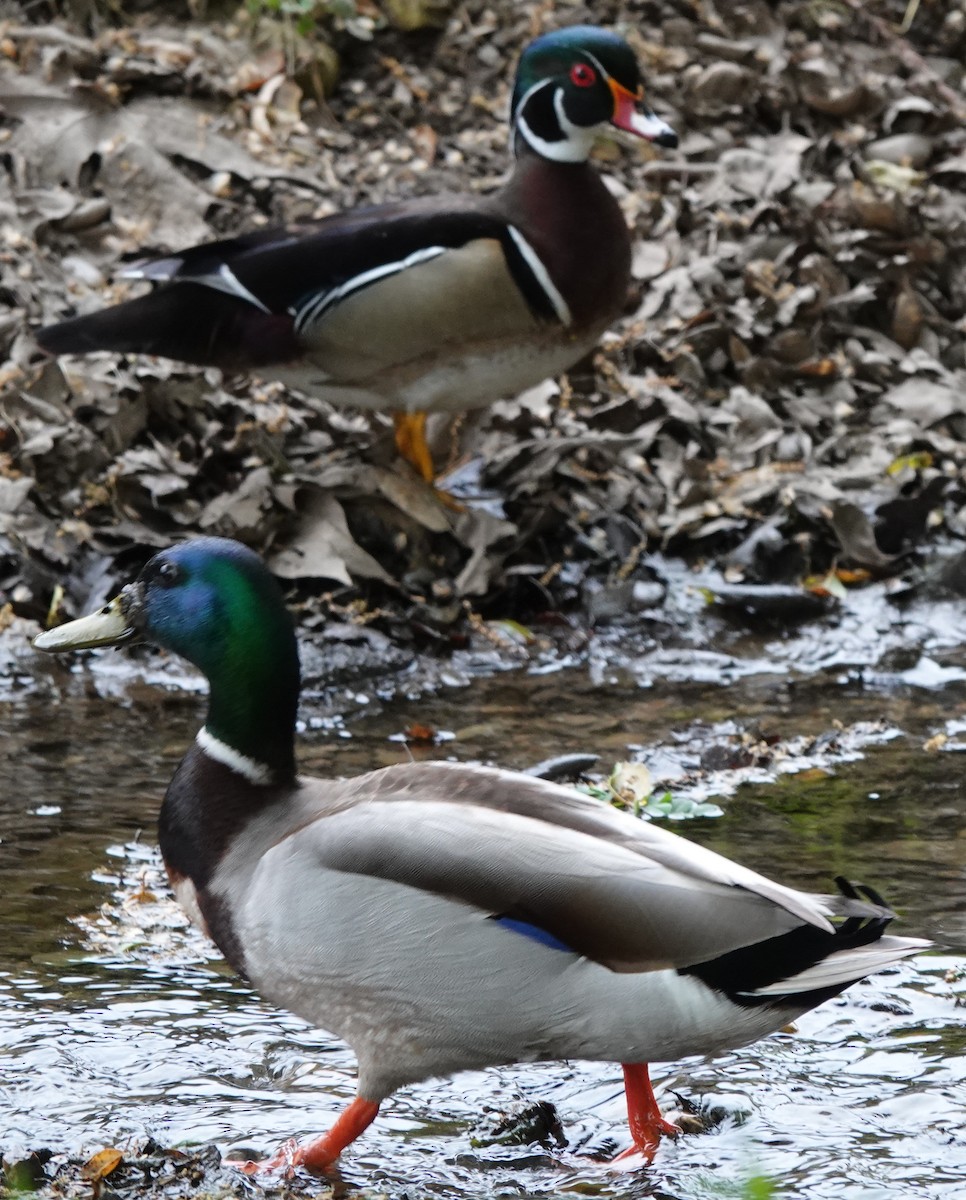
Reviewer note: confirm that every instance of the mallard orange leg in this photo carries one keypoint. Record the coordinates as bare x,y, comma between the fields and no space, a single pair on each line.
319,1155
643,1115
411,443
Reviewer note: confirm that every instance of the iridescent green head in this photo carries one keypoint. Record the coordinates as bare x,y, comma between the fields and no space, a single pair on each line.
572,85
214,602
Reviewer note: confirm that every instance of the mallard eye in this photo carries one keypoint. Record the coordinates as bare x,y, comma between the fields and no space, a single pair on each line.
582,76
168,574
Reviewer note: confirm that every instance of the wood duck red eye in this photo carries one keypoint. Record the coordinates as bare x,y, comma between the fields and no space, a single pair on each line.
583,76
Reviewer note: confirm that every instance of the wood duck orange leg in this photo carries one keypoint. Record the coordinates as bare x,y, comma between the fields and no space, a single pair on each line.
411,443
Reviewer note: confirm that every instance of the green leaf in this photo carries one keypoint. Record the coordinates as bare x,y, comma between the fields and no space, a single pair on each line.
629,787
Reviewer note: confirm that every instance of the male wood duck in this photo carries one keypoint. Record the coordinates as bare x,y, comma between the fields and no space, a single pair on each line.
442,917
442,303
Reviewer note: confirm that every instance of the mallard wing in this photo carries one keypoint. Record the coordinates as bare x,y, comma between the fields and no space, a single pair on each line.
612,889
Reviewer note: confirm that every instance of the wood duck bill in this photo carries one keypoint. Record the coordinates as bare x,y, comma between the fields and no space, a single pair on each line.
633,116
109,626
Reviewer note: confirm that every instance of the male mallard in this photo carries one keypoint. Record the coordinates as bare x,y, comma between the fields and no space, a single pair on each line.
441,303
442,917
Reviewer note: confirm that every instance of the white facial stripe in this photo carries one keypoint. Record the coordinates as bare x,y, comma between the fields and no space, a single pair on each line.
580,138
574,147
313,310
576,144
254,772
543,148
542,275
530,91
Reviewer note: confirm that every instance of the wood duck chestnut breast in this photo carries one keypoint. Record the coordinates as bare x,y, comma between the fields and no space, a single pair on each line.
443,917
441,303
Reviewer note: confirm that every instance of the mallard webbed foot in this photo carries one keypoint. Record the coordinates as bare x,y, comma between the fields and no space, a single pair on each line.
319,1155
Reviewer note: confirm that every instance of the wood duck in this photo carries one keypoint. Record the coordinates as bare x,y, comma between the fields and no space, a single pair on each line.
442,917
433,304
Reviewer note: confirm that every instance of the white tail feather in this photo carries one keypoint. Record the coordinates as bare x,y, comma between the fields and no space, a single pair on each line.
845,966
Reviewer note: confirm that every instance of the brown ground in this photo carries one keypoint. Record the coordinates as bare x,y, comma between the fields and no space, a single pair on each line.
785,395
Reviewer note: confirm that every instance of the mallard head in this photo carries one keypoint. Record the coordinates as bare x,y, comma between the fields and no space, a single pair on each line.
213,602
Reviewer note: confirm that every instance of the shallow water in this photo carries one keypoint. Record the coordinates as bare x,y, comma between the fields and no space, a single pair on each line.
116,1024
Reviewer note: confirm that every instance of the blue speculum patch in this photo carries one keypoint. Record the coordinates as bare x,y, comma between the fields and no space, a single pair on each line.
534,932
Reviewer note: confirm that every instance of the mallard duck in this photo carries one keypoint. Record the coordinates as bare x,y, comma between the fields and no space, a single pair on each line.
442,303
442,917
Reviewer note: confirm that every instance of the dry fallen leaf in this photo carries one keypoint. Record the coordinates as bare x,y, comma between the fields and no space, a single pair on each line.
812,775
100,1165
410,15
425,142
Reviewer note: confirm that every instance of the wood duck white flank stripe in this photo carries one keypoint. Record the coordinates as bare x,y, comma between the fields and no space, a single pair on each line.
560,306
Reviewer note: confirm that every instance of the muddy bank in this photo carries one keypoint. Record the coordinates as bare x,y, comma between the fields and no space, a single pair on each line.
783,399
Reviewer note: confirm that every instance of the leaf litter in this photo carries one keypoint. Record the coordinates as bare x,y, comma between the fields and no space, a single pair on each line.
794,331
